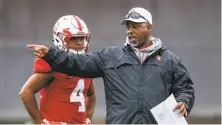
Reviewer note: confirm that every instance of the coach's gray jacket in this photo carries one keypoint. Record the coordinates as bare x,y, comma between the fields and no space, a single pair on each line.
132,86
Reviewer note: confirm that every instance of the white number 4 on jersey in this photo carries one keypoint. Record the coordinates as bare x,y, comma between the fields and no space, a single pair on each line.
79,98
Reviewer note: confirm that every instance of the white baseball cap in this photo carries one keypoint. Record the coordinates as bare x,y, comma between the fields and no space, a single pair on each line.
138,15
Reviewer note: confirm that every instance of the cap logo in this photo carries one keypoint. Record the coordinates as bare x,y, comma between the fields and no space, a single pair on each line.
159,58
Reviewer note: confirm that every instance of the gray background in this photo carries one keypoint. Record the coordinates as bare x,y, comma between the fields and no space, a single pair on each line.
190,28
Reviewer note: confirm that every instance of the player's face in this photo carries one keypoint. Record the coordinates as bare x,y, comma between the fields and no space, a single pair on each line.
138,33
76,43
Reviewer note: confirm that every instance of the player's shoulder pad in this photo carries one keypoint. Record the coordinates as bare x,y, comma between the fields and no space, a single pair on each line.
41,65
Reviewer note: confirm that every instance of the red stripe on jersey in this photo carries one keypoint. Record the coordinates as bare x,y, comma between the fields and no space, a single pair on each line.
78,22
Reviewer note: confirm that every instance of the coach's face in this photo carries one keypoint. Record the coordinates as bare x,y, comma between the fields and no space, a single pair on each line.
138,33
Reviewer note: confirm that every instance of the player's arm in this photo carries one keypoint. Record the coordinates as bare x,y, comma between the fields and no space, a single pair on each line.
91,100
28,91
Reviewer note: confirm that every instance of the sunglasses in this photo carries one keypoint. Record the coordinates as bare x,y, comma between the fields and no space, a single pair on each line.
135,15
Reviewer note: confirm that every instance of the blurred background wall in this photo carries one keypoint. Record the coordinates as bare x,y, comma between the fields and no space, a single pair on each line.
190,28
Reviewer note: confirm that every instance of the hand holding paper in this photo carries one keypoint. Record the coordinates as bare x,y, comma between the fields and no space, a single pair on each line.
164,112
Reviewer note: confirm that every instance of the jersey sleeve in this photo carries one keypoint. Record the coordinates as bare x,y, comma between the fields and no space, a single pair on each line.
41,65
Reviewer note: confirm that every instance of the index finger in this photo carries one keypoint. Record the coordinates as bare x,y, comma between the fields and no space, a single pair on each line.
32,46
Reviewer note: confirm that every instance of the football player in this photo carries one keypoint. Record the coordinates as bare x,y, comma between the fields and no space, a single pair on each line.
63,99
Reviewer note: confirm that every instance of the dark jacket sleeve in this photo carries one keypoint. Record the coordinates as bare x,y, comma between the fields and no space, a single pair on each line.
183,86
82,65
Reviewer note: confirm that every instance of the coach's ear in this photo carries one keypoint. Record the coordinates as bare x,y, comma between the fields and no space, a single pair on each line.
149,27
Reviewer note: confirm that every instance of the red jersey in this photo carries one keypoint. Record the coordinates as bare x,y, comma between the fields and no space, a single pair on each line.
64,99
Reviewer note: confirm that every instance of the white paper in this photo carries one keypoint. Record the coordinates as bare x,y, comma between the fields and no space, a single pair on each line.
164,114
